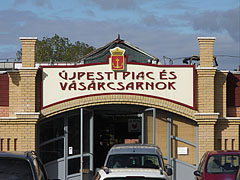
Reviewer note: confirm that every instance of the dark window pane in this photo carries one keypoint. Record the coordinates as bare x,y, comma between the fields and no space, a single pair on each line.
74,165
86,126
86,163
51,129
74,134
133,161
223,164
12,168
52,151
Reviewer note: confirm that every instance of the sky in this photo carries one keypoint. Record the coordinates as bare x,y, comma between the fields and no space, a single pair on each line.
167,28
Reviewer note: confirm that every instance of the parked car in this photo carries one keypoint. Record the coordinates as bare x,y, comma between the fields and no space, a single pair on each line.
218,165
238,174
21,165
134,161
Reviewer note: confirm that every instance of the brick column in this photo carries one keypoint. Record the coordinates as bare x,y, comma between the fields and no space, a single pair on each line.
20,128
28,51
22,83
205,104
206,51
206,123
28,90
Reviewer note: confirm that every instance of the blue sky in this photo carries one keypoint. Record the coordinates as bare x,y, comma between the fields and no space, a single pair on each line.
160,27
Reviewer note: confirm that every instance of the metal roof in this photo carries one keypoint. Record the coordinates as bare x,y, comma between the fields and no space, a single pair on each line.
134,53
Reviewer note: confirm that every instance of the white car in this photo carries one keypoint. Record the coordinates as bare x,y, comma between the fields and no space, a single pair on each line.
134,162
130,174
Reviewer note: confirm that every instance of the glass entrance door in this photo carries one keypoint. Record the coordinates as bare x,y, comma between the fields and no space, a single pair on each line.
148,123
79,161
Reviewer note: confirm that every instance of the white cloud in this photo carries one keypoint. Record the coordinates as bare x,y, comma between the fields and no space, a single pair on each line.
156,41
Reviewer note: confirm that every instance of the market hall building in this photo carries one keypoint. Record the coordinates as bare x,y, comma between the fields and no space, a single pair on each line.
72,114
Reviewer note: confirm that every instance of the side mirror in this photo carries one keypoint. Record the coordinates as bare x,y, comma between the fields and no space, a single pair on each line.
169,171
197,173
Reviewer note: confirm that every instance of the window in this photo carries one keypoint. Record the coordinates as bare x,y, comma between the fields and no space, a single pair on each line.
223,164
52,151
14,168
51,129
202,163
133,161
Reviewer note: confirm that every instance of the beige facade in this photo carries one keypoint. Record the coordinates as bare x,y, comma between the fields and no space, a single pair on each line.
215,130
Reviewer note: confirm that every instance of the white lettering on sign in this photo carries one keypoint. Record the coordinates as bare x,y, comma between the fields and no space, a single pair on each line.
174,83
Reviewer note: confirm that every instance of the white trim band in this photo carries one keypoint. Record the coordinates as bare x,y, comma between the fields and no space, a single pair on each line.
206,67
25,113
205,38
27,38
206,114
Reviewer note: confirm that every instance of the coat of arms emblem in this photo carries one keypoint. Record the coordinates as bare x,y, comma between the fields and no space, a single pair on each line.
117,59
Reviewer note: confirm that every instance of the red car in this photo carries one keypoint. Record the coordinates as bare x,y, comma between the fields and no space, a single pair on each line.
218,165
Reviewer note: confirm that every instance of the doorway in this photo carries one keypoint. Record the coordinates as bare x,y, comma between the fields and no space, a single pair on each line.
73,144
114,125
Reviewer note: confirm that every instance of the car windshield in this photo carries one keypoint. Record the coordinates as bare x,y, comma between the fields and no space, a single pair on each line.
223,164
13,168
133,161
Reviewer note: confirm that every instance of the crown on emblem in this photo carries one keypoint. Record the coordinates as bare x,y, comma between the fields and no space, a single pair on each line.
117,51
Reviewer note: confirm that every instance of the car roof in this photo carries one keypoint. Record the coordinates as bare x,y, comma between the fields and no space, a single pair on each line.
135,148
20,155
224,152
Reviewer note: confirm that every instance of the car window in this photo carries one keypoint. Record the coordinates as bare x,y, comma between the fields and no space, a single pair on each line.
223,164
133,161
202,163
14,168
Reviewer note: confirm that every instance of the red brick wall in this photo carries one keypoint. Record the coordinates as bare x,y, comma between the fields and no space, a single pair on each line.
233,95
4,95
4,90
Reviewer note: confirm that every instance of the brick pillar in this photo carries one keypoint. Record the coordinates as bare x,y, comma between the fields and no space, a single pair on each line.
22,83
205,104
206,51
206,123
21,127
28,51
28,90
205,76
205,90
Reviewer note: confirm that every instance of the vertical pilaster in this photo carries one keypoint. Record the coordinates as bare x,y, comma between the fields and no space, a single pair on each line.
206,124
19,131
205,102
205,76
28,51
22,83
206,51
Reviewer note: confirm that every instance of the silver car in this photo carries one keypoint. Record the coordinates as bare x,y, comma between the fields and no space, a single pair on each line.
134,161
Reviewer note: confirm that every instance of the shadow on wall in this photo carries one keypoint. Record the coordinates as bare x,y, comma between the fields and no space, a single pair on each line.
233,95
219,128
15,77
